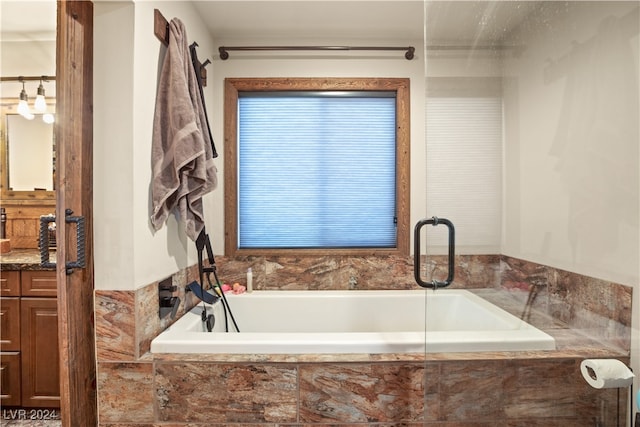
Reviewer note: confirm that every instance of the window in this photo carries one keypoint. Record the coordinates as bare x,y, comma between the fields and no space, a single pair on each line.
316,166
464,159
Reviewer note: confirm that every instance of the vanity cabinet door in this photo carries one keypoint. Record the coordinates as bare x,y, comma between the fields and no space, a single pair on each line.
10,379
9,324
40,360
10,355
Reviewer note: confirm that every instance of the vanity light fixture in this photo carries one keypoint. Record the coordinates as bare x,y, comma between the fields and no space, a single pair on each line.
40,103
23,105
48,118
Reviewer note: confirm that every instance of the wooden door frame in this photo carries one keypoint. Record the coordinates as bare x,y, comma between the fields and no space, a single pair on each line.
74,191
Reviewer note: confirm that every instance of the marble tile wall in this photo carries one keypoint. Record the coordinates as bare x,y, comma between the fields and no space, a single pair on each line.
341,273
127,321
598,308
137,389
547,392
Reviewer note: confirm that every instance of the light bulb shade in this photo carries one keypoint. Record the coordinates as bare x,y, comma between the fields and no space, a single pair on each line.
48,118
23,107
40,103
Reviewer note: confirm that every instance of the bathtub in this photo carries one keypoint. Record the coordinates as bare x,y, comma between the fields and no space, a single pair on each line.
303,322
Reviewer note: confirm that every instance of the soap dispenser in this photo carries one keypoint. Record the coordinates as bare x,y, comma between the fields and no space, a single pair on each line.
249,280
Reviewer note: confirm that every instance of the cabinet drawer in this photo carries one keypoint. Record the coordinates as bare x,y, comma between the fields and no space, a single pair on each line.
10,379
10,283
10,324
39,283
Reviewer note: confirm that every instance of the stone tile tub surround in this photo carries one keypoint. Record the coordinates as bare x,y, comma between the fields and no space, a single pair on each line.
597,308
127,321
491,392
134,387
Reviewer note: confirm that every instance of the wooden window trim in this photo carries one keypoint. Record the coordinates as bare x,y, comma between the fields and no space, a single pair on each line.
235,85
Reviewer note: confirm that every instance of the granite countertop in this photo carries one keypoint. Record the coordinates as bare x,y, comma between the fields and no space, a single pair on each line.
24,259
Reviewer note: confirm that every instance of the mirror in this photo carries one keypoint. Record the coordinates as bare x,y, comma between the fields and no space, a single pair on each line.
28,154
30,150
27,61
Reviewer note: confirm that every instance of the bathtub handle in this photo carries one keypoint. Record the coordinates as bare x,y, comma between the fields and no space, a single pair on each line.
434,284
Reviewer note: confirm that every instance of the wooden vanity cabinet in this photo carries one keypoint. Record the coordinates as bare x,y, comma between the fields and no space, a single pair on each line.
10,372
39,351
10,378
29,365
38,283
10,284
10,324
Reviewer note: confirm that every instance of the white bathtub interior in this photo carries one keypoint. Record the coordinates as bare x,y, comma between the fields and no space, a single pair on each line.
299,322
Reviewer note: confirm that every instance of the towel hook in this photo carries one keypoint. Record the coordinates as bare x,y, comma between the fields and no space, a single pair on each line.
161,31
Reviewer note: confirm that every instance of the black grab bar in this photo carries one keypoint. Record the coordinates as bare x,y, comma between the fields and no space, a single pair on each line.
434,284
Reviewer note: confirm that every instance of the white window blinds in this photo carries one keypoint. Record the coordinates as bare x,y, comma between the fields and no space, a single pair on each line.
464,166
316,170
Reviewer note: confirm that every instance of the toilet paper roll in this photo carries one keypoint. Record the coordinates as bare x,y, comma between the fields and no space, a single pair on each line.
606,373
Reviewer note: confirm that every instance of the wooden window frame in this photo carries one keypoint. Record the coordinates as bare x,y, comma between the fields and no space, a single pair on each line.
235,85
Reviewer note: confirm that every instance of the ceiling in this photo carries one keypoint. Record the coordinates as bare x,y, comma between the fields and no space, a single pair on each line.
27,20
313,19
453,22
447,21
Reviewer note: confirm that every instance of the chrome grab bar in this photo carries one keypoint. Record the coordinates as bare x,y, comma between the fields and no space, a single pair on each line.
434,284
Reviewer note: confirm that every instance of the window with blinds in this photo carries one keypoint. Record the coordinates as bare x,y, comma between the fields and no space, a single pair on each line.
464,160
317,170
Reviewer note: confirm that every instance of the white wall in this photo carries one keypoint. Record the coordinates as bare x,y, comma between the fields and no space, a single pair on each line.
572,141
572,144
128,253
26,57
532,180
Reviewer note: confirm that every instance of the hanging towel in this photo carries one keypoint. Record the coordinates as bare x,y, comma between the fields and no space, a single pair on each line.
182,156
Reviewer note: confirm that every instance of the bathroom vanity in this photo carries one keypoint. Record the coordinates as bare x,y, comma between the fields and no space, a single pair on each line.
29,332
29,355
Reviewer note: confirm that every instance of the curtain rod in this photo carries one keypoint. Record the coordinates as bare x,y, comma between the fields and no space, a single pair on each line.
27,78
224,50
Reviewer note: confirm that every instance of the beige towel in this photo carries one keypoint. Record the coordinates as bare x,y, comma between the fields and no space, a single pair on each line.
182,155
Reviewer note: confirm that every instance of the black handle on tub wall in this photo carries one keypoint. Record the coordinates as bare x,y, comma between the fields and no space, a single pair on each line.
80,241
434,284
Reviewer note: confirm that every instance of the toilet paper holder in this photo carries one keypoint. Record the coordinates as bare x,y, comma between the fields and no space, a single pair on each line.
610,373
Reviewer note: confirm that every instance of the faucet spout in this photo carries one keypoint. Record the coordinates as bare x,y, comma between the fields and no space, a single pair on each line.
203,295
